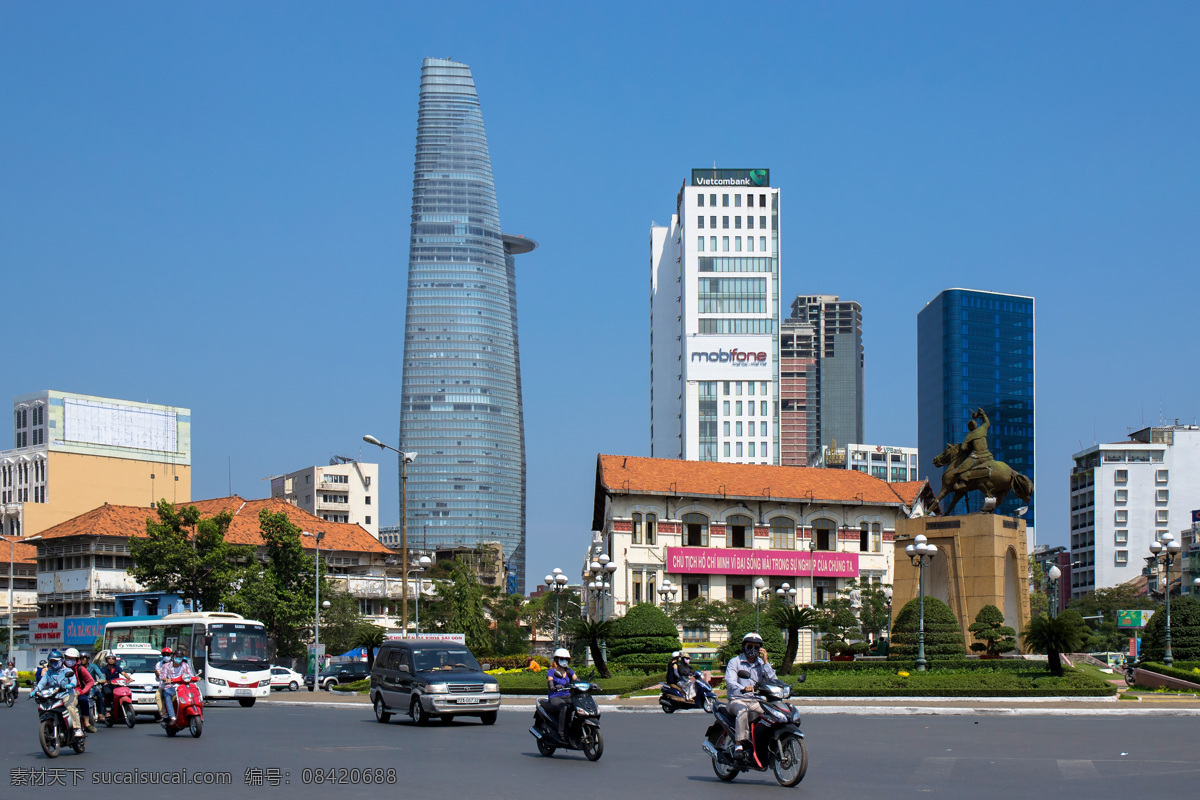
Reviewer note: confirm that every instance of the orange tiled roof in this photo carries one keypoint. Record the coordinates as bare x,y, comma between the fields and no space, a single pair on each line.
909,491
22,553
126,521
635,475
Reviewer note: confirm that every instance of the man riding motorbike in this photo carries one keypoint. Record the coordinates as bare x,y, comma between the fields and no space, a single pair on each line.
84,683
558,679
37,676
60,676
110,671
177,668
740,691
163,662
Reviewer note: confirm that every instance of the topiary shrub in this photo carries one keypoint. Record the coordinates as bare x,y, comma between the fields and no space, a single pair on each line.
772,638
644,633
994,636
943,636
1185,631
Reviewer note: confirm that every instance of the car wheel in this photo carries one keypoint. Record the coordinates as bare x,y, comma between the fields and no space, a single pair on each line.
419,714
381,712
489,717
293,686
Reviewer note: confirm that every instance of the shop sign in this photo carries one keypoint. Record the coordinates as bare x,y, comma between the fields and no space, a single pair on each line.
46,631
723,561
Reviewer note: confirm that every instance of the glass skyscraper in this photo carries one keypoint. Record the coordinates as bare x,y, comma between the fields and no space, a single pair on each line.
461,395
976,350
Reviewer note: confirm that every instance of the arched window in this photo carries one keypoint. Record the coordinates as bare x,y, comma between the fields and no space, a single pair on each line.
864,537
783,534
651,528
739,531
876,537
695,530
825,532
637,528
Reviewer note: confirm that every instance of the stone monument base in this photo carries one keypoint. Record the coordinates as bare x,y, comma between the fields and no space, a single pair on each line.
981,561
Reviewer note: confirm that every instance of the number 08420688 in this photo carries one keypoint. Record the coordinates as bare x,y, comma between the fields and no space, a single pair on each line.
341,776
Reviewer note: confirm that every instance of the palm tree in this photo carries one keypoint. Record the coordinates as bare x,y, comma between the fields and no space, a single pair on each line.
793,619
369,636
1054,636
592,632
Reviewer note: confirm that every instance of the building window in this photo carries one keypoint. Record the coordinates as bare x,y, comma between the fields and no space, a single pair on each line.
1160,516
725,408
738,407
726,429
750,243
637,576
368,520
762,428
739,531
1162,495
864,538
783,534
739,449
737,244
1160,475
727,449
700,200
1121,516
368,499
737,223
1121,496
1122,556
737,201
824,531
725,222
700,221
750,225
876,537
725,200
637,528
725,244
700,243
1121,537
651,533
695,530
762,408
712,243
750,449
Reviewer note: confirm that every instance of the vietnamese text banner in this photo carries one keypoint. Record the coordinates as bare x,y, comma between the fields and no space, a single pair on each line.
760,562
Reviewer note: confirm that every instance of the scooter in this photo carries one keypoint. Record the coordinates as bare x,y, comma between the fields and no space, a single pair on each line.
122,704
673,699
776,740
189,708
583,724
54,722
10,693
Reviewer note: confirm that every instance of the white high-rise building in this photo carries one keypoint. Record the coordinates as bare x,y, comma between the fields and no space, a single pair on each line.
1127,494
714,321
344,491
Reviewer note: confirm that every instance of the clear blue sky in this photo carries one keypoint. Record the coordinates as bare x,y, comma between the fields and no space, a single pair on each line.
207,205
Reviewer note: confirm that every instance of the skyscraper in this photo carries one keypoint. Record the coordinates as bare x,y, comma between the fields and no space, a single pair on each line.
714,321
976,350
461,395
821,377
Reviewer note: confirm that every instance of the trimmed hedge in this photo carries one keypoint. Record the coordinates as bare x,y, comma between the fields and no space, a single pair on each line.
645,633
943,665
1183,673
943,636
772,637
1185,631
953,683
534,683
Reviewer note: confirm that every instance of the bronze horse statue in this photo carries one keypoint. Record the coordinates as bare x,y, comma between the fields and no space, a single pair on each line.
994,478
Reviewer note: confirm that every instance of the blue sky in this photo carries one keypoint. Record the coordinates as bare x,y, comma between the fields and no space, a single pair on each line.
207,205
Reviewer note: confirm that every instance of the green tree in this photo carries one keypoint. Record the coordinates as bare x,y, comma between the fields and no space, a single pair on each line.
592,633
873,615
840,631
1039,601
994,636
644,633
464,596
1055,636
340,622
1105,603
769,631
506,612
943,636
369,637
186,555
1185,631
792,620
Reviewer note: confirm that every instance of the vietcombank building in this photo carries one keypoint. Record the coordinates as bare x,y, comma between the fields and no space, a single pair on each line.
714,321
712,530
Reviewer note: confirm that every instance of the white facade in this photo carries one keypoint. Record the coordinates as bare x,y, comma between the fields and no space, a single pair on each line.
1125,495
888,463
714,321
344,492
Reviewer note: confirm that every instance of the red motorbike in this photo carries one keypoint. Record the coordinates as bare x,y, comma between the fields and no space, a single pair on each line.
122,704
189,708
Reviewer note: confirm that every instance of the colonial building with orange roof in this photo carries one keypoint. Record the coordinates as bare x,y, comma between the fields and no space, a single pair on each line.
23,558
83,563
708,529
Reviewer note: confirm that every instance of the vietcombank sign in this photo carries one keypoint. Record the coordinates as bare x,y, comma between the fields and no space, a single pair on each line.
731,177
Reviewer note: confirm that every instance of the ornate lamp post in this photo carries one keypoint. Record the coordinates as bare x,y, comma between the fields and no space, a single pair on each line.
602,569
666,592
887,594
423,563
759,585
556,582
1164,552
786,594
1053,574
921,555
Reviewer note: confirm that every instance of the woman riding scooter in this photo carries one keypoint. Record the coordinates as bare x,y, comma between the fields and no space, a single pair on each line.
111,671
558,679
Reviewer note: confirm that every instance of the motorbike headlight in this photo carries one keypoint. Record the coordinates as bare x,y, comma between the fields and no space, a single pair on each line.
217,681
796,716
491,687
582,712
437,688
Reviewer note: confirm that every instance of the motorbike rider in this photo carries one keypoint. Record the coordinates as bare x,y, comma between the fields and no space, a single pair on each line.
84,683
558,678
59,676
742,700
96,697
164,661
177,668
673,669
8,677
687,676
37,676
110,671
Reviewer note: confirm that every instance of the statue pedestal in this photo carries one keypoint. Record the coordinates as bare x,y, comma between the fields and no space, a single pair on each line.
981,561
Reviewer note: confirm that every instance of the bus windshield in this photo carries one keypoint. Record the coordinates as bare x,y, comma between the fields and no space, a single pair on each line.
237,646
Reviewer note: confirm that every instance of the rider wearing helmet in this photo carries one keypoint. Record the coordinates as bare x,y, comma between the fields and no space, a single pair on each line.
60,676
559,678
177,668
163,662
111,671
84,683
673,668
740,691
8,678
37,676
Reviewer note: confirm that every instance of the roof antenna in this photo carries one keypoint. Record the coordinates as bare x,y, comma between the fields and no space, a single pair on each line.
623,460
229,466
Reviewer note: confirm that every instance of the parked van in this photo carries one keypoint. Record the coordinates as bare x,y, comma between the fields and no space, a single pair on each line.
430,679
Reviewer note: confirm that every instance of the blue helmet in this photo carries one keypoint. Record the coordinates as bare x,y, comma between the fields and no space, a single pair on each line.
55,658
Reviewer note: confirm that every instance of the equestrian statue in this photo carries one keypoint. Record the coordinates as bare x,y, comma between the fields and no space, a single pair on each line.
971,467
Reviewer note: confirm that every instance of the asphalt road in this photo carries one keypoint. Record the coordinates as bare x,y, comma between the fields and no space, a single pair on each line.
645,754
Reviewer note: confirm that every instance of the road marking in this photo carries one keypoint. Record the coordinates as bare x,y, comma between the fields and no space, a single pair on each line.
1077,769
932,770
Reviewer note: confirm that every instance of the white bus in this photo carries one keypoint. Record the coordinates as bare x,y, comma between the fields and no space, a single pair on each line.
226,650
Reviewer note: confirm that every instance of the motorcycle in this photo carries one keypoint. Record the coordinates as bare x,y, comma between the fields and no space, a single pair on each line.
10,693
583,724
776,740
1129,668
54,723
122,704
189,708
672,698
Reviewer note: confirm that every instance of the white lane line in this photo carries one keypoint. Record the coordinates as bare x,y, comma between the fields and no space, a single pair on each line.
1077,769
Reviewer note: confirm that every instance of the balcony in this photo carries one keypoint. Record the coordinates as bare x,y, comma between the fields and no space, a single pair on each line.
333,487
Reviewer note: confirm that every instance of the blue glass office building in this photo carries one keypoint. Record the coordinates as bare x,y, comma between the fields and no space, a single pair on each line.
461,394
976,349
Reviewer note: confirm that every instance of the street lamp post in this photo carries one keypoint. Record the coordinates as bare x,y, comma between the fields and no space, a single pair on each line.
556,581
11,610
887,594
812,590
921,555
423,563
1054,573
666,592
759,585
405,460
1164,552
319,535
786,594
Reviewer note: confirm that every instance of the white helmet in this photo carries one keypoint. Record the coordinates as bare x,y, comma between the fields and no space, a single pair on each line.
71,652
562,652
677,654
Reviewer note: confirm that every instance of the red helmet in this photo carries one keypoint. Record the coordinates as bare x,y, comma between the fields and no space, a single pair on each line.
166,651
